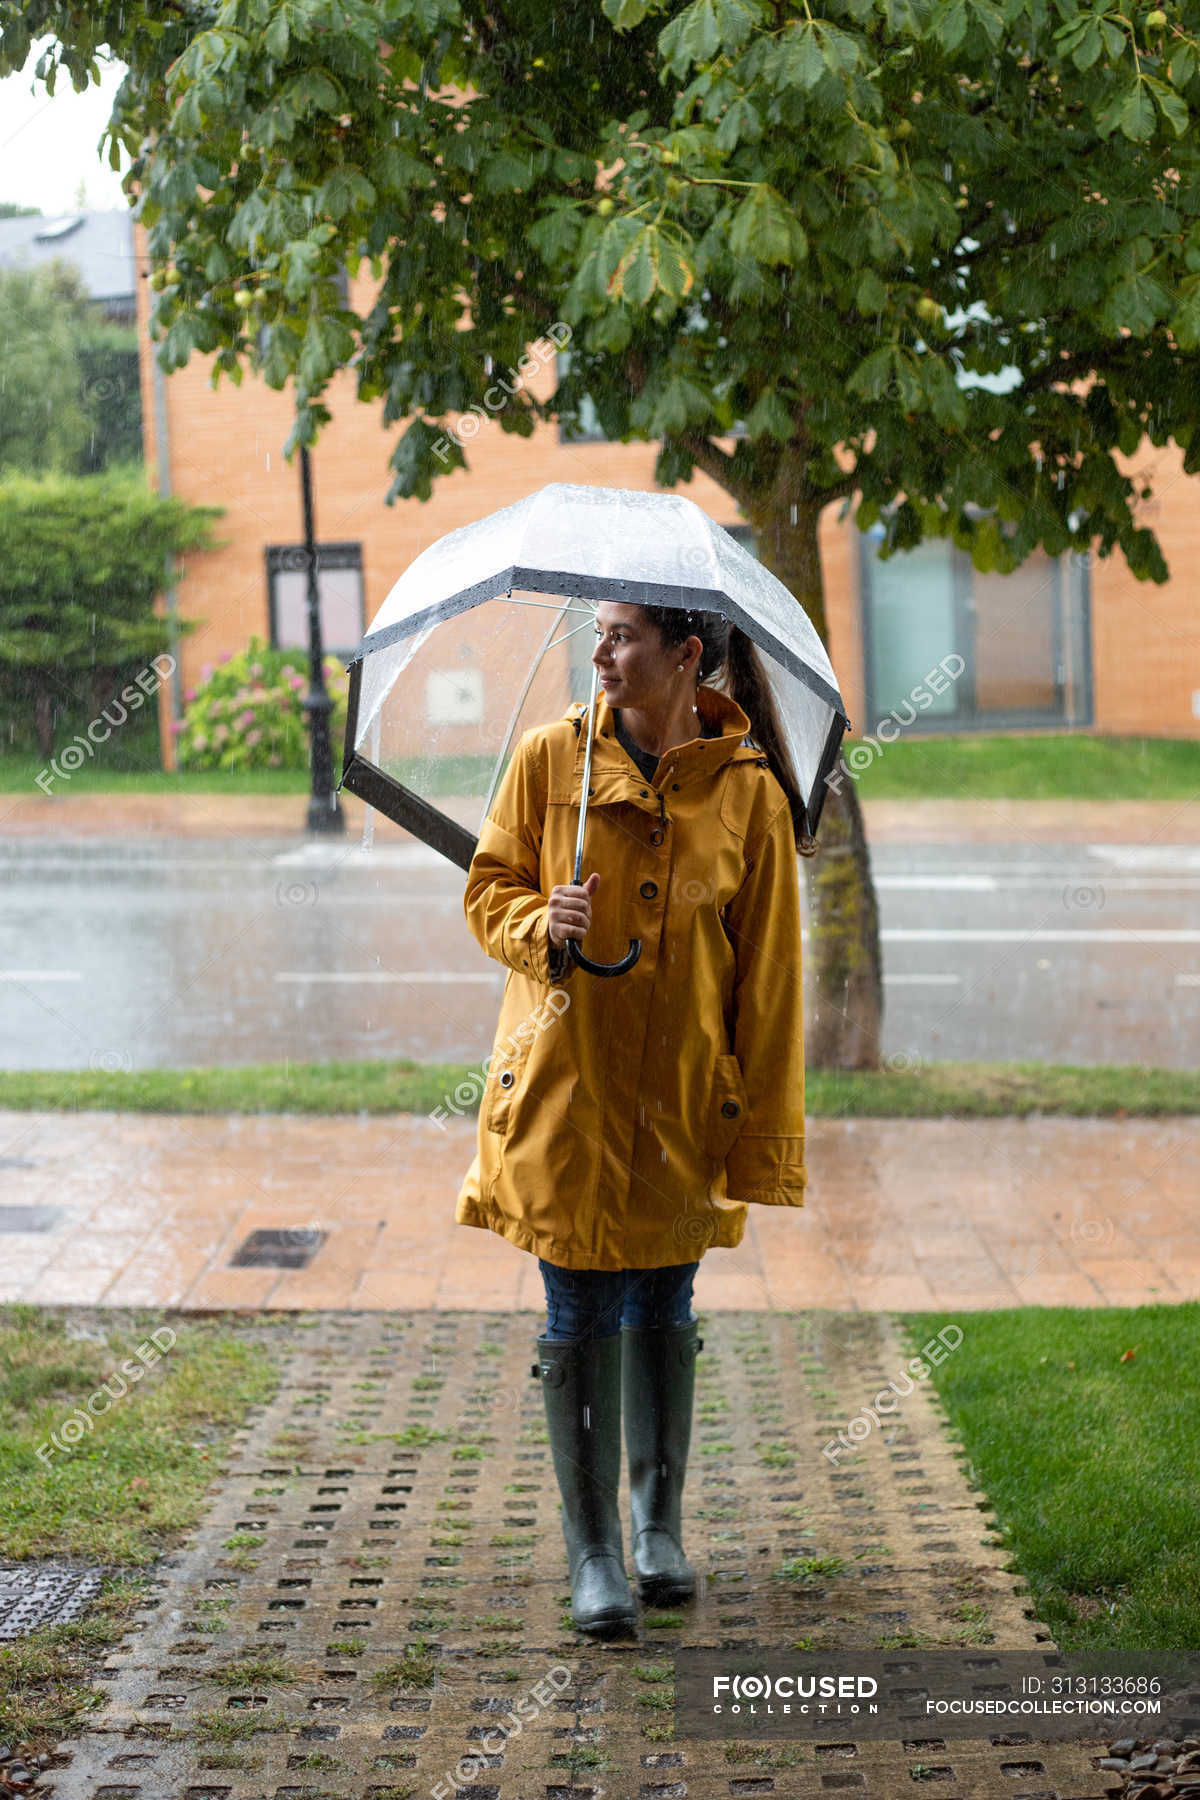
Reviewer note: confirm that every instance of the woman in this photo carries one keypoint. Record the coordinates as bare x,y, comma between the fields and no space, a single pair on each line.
626,1122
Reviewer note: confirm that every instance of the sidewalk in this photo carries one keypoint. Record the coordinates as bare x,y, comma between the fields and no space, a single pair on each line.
144,1209
950,821
399,1491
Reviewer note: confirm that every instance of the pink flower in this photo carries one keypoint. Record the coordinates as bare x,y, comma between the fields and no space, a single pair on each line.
177,725
206,670
256,668
245,718
220,734
253,737
274,761
199,742
189,694
225,656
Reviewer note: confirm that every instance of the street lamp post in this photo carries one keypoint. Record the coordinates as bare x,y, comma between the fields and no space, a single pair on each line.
324,811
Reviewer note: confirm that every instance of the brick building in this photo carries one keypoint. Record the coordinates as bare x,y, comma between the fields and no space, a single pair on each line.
1072,644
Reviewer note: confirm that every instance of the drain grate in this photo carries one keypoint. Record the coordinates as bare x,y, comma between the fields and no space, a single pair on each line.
29,1218
277,1250
33,1594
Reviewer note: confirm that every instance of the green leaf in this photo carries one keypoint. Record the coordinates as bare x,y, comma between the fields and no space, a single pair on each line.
275,37
625,14
801,62
871,296
1172,107
873,375
1185,321
344,190
395,169
1088,47
1136,117
507,173
1182,66
704,29
770,414
766,230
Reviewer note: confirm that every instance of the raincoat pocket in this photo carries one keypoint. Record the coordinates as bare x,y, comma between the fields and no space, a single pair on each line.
726,1107
506,1074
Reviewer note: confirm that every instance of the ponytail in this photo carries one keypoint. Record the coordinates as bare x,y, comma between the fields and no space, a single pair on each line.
730,656
749,687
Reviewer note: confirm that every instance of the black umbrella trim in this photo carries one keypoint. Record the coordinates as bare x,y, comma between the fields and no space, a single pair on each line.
596,588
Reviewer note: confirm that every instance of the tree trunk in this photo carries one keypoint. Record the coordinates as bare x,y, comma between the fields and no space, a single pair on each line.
43,713
845,1029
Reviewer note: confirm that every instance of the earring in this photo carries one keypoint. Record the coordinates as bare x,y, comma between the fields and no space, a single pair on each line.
681,668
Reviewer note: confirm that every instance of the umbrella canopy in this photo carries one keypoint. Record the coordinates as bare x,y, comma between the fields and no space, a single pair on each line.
465,617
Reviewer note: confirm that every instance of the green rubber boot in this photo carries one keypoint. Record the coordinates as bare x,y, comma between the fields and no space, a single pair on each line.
658,1381
581,1387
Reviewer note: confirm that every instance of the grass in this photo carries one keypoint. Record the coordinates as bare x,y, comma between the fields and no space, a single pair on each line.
1051,765
18,775
930,1091
1088,1456
120,1496
1047,765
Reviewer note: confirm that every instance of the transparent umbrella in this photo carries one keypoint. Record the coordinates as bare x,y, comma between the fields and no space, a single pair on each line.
490,632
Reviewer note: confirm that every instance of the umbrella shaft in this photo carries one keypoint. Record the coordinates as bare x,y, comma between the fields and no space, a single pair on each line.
587,777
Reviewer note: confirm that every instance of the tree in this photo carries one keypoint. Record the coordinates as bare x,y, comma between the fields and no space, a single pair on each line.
69,377
836,226
81,562
45,422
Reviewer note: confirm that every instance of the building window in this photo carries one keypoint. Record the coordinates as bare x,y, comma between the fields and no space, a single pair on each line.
1019,645
339,596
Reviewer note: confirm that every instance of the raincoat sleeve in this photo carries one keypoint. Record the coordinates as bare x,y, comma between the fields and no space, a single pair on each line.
506,910
766,1162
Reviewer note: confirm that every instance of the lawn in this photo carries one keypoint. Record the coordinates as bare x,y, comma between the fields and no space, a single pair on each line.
1082,1426
930,1091
1030,765
133,1481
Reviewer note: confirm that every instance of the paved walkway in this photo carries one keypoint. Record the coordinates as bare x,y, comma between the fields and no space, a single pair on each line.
399,1489
948,821
144,1209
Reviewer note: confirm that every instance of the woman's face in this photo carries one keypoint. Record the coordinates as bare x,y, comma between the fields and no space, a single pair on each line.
636,669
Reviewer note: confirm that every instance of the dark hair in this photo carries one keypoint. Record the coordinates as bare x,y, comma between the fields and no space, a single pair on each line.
729,655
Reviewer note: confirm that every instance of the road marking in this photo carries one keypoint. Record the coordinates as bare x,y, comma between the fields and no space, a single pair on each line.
1187,981
968,884
387,975
1133,935
41,975
923,980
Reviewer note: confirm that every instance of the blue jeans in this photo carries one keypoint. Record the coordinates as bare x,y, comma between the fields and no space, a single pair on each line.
582,1303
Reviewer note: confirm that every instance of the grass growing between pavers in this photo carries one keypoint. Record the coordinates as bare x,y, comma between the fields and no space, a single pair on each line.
123,1492
1082,1427
968,1090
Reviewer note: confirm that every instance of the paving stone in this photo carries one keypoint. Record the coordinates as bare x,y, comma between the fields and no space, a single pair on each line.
399,1490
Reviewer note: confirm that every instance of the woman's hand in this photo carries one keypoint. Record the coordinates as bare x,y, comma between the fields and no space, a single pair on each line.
570,910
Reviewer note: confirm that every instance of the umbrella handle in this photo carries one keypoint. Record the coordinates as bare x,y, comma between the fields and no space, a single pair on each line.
598,968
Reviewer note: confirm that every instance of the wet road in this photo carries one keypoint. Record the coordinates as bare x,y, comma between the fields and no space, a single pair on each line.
138,955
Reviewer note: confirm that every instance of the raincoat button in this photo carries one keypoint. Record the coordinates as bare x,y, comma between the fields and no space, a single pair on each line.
656,837
648,890
645,793
674,787
729,1108
507,1078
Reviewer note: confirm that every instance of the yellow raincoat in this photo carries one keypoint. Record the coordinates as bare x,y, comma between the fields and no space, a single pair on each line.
627,1120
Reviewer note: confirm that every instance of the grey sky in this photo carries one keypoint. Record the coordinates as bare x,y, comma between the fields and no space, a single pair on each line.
48,146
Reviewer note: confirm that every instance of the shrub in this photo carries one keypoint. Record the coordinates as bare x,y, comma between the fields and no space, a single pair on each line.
247,712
